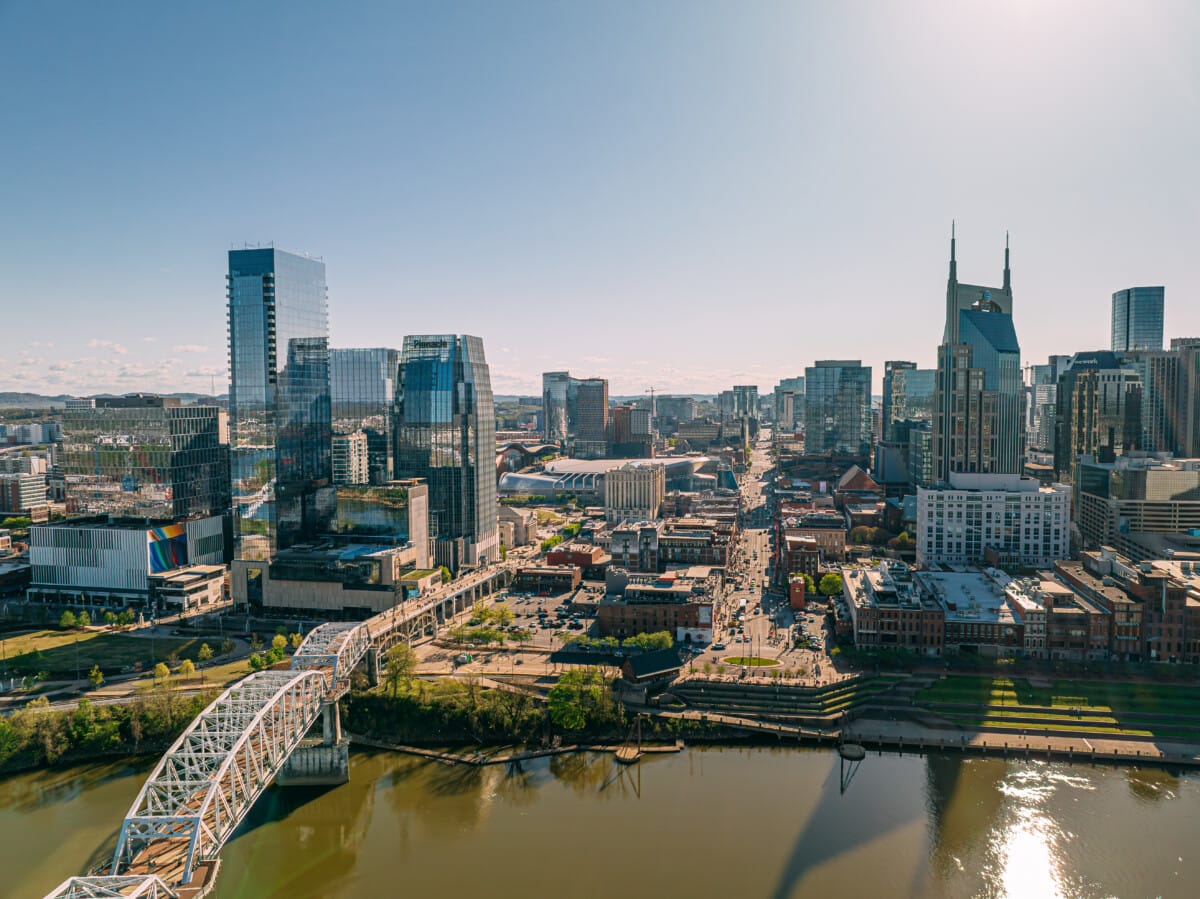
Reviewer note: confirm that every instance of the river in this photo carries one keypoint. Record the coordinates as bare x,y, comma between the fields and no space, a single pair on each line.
735,821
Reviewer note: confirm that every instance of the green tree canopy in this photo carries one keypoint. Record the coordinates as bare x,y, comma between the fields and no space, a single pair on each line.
580,696
83,619
831,584
204,653
67,619
187,668
95,677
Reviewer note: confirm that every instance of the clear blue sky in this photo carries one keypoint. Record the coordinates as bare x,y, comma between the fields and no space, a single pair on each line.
686,195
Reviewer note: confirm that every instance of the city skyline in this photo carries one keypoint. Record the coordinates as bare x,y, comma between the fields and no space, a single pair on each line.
590,168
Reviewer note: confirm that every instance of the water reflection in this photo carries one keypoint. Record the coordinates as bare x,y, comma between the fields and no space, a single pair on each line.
723,821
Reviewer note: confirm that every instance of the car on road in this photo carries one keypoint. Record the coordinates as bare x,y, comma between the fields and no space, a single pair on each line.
718,646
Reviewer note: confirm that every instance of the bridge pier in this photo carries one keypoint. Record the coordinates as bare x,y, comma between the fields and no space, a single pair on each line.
320,764
373,666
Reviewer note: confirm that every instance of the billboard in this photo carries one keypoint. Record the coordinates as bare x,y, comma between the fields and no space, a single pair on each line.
167,548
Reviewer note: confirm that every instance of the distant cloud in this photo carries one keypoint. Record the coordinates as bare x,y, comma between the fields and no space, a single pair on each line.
149,339
107,344
42,343
190,348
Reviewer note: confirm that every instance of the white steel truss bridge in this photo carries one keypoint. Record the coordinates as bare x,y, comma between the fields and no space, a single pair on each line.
208,780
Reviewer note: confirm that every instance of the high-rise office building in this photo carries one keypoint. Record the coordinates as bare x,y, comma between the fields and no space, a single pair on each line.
908,394
979,395
1188,408
279,400
591,427
363,391
1099,411
144,456
558,401
445,426
789,403
837,407
1137,319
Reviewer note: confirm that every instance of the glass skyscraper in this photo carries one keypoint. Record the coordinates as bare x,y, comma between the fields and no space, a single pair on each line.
363,385
445,427
144,456
1137,319
837,407
279,400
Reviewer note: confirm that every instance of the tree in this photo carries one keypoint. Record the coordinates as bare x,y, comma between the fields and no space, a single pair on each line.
904,542
110,618
161,673
580,698
83,619
280,642
446,575
95,677
401,664
256,642
227,647
296,640
67,620
186,669
503,553
125,618
204,653
502,615
257,662
831,584
860,534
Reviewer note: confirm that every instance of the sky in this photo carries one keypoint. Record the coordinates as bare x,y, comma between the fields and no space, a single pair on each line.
677,195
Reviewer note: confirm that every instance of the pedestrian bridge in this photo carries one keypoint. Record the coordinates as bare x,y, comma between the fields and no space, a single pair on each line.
211,776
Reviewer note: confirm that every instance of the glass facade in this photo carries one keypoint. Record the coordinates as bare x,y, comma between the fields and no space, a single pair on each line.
362,383
1137,319
445,427
837,407
558,394
144,457
279,398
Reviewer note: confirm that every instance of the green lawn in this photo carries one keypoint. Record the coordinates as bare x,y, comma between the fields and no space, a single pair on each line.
55,651
751,661
999,700
1088,695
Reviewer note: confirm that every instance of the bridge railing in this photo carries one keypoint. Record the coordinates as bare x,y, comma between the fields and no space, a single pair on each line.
144,886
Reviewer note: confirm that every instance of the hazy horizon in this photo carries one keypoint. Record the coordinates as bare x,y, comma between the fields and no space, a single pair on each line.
679,195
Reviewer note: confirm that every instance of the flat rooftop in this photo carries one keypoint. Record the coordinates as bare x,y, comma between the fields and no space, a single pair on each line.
969,595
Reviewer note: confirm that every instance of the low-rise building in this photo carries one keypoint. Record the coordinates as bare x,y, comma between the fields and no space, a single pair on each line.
1059,624
978,620
110,562
518,525
547,579
890,609
591,560
681,603
193,588
826,528
350,580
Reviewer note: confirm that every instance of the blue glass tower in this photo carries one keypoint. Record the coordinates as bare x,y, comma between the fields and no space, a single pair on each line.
1137,319
445,426
279,400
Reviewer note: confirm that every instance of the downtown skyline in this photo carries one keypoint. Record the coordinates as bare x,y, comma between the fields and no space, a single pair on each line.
605,174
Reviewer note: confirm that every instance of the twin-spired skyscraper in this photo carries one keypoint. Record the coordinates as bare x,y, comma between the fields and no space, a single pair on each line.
441,421
979,395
